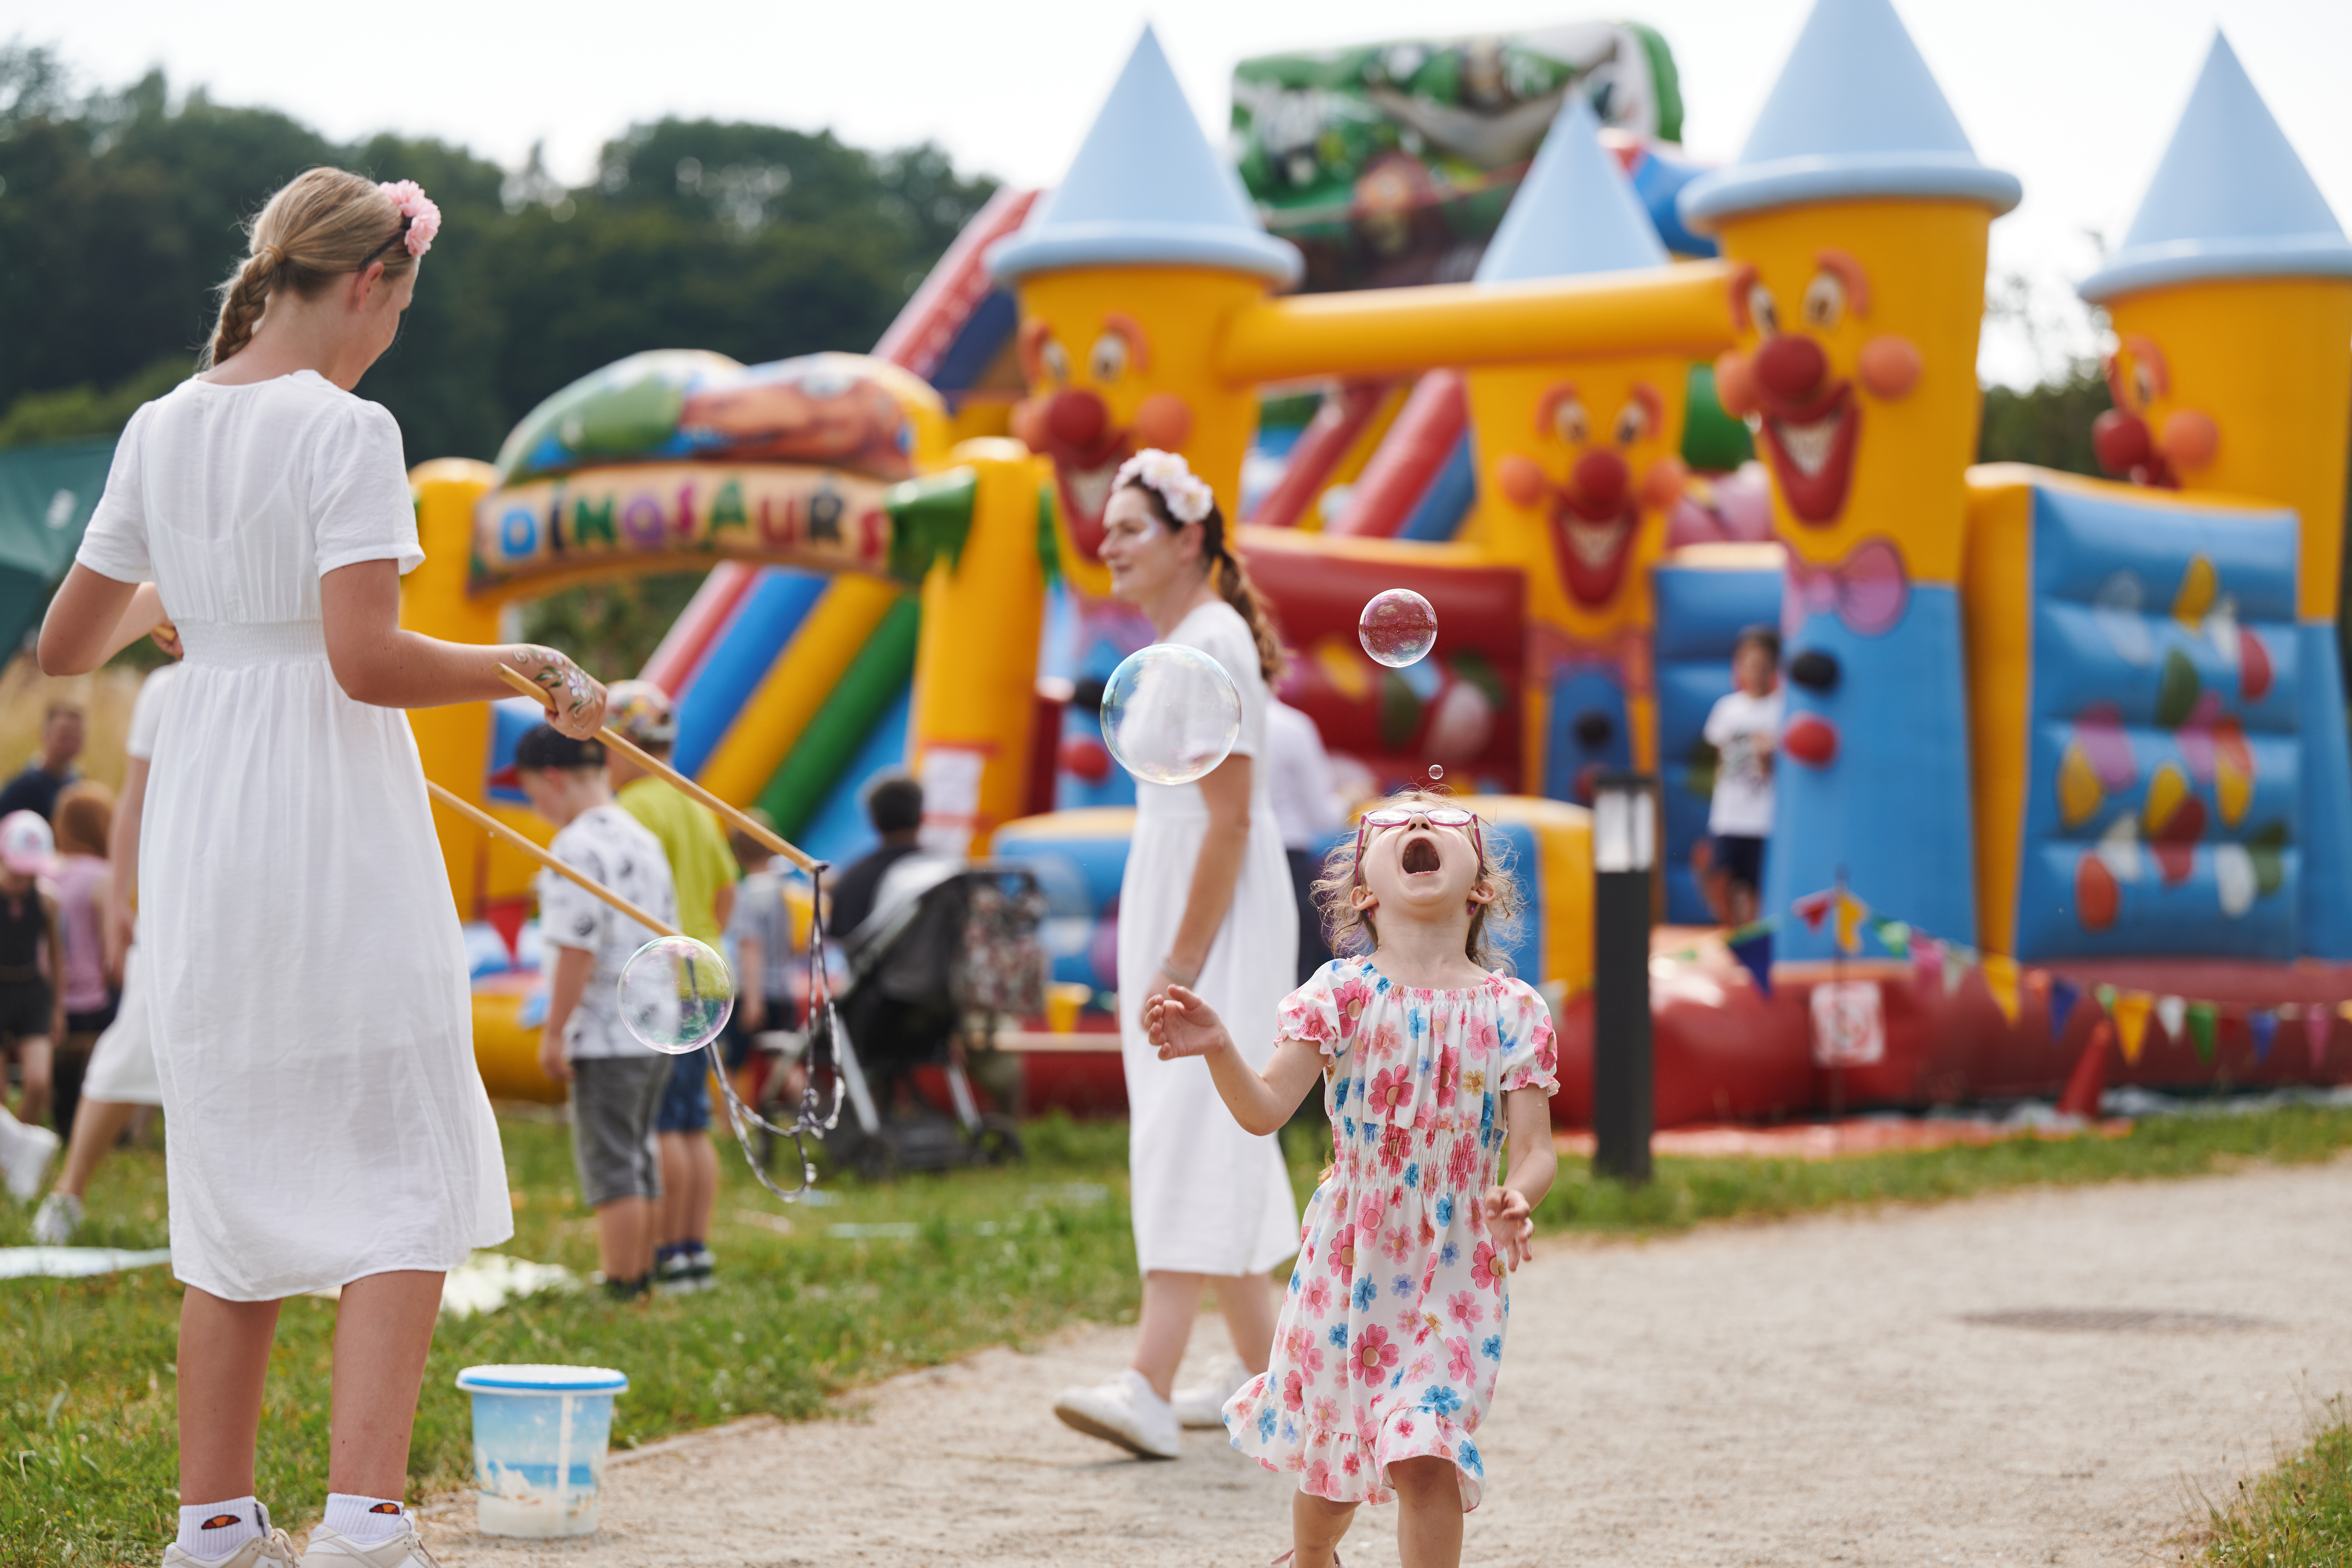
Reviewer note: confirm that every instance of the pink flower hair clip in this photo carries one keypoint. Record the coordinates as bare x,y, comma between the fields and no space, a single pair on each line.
421,218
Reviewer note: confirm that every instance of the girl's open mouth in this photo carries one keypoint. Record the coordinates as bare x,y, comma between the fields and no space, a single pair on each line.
1420,857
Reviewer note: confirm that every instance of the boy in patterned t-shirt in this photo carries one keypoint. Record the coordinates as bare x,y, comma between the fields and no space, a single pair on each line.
617,1081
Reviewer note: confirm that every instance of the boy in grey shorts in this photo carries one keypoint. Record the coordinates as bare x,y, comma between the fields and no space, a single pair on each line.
616,1081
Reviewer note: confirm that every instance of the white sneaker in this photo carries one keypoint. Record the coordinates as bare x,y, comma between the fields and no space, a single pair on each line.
332,1549
273,1547
55,1222
1122,1410
25,1154
1202,1406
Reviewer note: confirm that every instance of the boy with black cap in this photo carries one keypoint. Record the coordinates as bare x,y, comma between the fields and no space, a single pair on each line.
617,1081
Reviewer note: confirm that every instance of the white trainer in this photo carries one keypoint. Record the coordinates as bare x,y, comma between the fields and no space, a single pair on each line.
271,1549
333,1548
55,1222
1202,1408
25,1153
1123,1410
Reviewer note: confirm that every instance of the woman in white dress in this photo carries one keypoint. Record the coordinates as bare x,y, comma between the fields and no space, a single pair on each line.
1206,901
299,945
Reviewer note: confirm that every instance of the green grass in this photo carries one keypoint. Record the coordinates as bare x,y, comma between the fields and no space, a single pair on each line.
87,1466
2299,1513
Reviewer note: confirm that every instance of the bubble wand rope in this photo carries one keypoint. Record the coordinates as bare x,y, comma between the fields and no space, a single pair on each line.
737,818
739,1116
823,1028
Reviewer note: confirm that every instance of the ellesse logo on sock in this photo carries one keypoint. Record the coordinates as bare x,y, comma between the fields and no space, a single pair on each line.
221,1522
386,1508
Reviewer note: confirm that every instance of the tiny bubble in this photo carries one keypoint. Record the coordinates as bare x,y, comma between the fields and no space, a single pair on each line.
1436,772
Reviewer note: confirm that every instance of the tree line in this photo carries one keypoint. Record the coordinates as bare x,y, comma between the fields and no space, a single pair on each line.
120,210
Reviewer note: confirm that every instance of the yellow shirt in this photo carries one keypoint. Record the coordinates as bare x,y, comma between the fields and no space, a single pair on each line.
699,861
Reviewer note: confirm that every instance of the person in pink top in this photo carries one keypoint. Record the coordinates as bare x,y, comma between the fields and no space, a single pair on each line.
85,817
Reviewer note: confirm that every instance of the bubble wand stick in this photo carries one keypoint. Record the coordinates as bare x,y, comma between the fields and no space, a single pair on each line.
497,829
686,786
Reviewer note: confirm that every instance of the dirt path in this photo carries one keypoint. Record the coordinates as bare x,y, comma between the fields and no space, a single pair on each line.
1823,1391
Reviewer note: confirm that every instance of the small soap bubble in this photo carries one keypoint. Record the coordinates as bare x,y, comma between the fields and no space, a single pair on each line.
1398,627
1435,773
676,993
1170,713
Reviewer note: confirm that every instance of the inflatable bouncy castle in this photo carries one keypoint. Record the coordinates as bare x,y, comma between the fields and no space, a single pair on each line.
2065,769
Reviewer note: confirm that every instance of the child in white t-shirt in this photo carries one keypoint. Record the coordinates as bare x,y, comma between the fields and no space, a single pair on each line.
1744,728
617,1081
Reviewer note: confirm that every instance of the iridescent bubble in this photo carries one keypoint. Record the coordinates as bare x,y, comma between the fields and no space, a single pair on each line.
1436,772
1398,627
1170,713
676,993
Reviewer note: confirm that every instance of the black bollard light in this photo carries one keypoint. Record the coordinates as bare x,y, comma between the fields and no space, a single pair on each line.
1624,851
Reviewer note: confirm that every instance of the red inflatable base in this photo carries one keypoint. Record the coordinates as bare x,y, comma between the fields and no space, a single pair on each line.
1725,1052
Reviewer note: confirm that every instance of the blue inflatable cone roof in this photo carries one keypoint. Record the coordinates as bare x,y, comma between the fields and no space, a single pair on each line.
1146,189
1856,113
1574,213
2230,200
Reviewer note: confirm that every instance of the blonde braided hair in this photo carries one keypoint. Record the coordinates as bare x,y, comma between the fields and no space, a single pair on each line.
321,224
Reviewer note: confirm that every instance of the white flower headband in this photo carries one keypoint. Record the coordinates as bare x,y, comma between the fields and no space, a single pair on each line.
1186,495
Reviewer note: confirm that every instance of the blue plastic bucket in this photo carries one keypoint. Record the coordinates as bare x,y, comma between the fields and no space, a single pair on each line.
540,1435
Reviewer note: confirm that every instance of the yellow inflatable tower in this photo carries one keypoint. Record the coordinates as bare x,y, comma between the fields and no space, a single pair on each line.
1577,463
1854,225
2231,301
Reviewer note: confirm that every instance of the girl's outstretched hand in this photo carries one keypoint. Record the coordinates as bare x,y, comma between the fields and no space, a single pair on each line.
1181,1024
1511,1223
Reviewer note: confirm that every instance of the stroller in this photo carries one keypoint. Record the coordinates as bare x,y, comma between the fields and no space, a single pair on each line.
951,948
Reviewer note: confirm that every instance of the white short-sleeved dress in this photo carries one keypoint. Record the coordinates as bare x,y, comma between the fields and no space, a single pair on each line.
1208,1198
305,973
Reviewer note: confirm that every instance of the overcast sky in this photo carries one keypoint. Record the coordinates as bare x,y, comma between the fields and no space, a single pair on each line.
2075,97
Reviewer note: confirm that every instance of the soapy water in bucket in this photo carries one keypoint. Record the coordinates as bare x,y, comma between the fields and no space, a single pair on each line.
1170,713
676,995
1398,627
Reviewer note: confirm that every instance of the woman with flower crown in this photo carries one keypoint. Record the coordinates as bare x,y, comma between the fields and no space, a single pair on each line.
1206,902
306,972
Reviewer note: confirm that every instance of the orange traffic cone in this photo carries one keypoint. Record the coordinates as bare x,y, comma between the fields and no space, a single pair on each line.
2089,1076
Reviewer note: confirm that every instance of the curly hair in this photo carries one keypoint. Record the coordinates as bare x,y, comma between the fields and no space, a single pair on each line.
1354,932
322,224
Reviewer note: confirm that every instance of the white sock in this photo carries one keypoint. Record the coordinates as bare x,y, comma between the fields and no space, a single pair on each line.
364,1519
217,1529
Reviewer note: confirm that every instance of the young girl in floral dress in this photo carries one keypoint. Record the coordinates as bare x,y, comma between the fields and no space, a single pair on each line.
1391,1337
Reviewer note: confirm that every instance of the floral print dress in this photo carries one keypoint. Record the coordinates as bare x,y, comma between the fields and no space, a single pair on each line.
1392,1332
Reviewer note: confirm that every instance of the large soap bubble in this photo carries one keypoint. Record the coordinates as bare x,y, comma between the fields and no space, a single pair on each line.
1398,627
1170,713
676,995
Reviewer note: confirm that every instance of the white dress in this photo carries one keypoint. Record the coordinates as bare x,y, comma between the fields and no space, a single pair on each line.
1208,1198
305,974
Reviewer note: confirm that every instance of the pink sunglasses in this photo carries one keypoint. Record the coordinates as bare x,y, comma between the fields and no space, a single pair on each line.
1388,816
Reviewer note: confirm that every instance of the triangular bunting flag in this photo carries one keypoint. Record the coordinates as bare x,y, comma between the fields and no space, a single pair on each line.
2344,1010
2171,1012
1814,908
1894,937
1851,912
1754,952
2000,979
2131,1010
2262,1026
1956,967
2316,1017
2106,997
1926,963
2063,994
2202,1017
